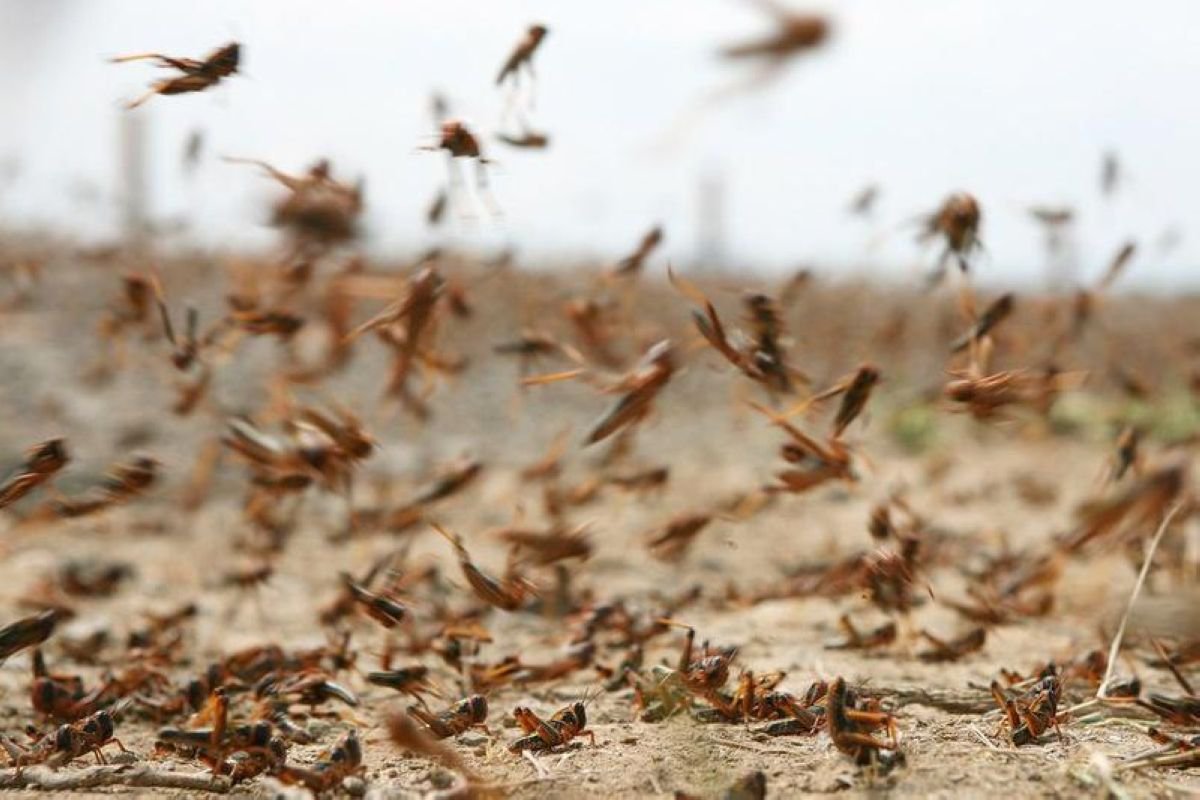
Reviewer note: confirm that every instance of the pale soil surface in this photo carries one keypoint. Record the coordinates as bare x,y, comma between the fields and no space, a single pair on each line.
962,481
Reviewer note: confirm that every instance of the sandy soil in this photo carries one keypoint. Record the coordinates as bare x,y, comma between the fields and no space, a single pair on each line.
963,480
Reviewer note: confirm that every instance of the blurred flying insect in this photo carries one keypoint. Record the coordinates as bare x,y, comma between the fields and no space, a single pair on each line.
812,463
41,463
794,34
407,324
193,150
27,632
459,142
854,400
954,649
507,594
762,357
522,55
527,140
640,386
863,203
197,75
1111,174
123,482
470,712
1126,456
449,481
638,389
318,211
671,541
521,59
956,221
992,316
436,210
632,263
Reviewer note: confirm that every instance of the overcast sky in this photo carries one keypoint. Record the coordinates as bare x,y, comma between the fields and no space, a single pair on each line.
1013,100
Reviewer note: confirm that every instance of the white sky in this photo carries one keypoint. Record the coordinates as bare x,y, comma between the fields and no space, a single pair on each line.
1013,100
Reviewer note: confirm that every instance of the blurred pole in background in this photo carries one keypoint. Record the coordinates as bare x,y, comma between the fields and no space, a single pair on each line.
1062,258
132,177
710,222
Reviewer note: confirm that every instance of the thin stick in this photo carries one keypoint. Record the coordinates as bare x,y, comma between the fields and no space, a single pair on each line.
1137,588
538,767
1166,657
774,751
142,777
979,734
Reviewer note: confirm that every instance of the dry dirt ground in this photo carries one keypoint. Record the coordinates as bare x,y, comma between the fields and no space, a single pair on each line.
960,475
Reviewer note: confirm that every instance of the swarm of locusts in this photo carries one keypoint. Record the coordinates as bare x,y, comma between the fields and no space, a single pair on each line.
495,614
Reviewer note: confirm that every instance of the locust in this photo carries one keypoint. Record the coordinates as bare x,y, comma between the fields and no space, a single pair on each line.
197,75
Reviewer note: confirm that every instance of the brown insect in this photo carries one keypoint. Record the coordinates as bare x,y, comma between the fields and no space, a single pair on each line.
850,728
410,737
857,392
197,75
41,463
436,210
459,142
639,387
762,358
594,328
452,480
549,547
673,540
522,54
881,636
409,680
707,675
814,463
414,314
311,687
470,712
385,610
507,594
992,316
942,650
1127,512
643,480
328,773
984,396
122,483
1183,711
1126,456
318,210
1033,713
529,140
239,751
66,743
957,223
632,263
551,734
794,34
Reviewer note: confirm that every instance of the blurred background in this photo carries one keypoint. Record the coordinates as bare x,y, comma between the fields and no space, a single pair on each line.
1017,102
